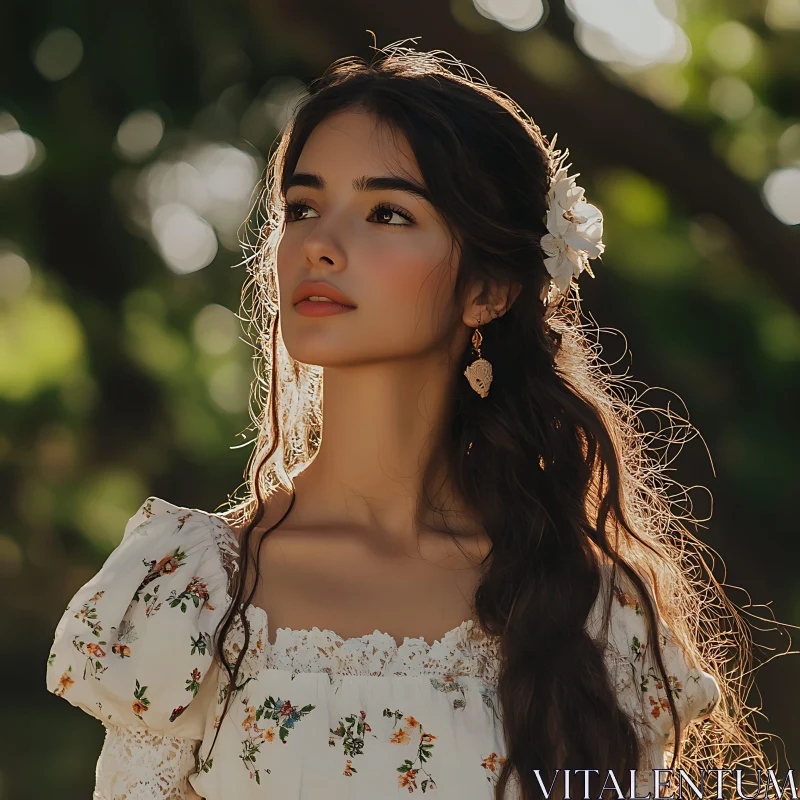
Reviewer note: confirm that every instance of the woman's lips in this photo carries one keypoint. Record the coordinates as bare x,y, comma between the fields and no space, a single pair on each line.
320,308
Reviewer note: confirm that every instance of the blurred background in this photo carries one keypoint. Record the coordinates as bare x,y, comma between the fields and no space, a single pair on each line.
131,137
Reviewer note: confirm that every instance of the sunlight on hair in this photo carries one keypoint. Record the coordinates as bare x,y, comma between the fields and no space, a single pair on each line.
644,519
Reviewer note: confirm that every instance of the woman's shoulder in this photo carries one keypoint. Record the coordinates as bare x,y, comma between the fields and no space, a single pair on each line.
627,646
135,642
156,514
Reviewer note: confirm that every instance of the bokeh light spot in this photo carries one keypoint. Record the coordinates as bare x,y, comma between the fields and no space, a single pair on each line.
139,134
782,195
58,54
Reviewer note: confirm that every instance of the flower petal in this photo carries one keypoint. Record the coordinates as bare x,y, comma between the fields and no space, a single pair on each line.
585,212
552,245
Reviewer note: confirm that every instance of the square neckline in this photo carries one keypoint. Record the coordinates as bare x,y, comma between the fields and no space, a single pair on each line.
468,627
293,633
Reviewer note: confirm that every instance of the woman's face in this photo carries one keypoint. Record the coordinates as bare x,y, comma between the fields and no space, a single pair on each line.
385,249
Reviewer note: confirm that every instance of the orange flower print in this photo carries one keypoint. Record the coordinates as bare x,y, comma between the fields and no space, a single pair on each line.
250,719
95,650
196,593
121,650
272,709
64,682
155,569
193,683
408,780
408,771
657,706
201,591
400,737
626,600
95,597
141,703
491,764
348,769
166,565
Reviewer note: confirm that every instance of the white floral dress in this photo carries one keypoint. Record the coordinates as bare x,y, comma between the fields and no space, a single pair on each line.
314,716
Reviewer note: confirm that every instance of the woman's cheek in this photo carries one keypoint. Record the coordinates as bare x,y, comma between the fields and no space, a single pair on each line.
410,265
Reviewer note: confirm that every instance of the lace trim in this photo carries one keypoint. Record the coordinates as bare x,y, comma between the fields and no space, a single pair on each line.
136,764
464,651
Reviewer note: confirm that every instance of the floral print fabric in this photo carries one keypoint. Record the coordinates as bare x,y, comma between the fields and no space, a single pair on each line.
313,715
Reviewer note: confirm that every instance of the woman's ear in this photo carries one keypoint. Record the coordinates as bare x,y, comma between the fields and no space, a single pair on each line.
489,302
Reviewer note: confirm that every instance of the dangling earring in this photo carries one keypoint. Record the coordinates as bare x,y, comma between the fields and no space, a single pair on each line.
479,372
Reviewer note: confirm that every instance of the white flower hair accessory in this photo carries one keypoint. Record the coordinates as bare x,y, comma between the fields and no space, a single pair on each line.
575,228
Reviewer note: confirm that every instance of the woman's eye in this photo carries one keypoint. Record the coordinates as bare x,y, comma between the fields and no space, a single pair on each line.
384,213
297,211
294,210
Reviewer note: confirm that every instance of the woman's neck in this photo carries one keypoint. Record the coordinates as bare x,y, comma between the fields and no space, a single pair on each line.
382,426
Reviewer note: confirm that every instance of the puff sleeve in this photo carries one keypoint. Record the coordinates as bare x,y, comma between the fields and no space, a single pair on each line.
134,648
639,684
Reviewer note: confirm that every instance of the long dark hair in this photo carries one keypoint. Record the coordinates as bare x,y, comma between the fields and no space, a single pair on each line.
558,474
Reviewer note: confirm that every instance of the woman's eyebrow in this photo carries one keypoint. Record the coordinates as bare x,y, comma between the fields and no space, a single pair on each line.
365,183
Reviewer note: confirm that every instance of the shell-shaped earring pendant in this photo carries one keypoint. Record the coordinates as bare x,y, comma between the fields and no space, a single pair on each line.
479,372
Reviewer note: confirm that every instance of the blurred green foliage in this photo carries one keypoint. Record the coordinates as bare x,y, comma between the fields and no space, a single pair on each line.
130,140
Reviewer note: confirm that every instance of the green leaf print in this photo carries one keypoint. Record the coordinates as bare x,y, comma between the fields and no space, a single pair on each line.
351,730
407,779
196,592
272,709
250,749
141,703
637,648
450,684
193,683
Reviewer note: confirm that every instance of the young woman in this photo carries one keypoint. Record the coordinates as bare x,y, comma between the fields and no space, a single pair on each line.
479,497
